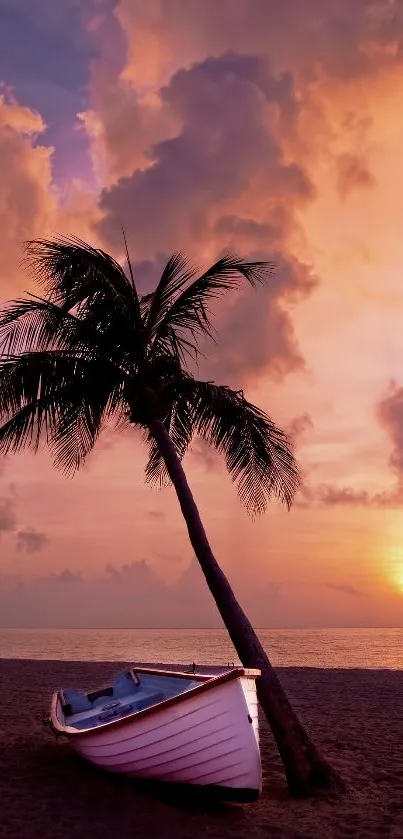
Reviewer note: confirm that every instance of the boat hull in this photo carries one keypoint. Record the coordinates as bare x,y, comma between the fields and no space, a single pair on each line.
209,739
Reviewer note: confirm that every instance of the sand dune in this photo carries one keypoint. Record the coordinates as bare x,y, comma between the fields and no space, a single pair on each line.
356,716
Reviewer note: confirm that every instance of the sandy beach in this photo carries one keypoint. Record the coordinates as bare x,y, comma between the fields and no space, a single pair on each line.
46,791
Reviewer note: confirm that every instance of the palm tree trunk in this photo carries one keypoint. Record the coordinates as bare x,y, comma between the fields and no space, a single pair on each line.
306,770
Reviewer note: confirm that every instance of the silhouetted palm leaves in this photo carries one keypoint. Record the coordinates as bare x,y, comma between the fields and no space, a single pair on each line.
92,351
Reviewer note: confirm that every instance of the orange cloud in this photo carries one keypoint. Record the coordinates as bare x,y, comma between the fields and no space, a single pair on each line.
27,200
30,205
352,174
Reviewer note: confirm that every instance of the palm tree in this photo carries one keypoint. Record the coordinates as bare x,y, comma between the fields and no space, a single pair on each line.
91,352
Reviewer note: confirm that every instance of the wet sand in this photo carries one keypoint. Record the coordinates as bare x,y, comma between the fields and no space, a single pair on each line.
47,792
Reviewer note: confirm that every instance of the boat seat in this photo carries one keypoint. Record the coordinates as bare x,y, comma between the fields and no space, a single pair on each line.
74,701
120,708
125,684
98,694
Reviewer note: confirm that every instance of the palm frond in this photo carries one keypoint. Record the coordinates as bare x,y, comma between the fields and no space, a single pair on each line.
188,311
79,425
34,323
129,265
72,271
258,454
92,352
176,274
58,397
25,428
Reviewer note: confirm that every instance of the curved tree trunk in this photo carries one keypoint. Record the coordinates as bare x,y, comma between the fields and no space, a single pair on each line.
306,771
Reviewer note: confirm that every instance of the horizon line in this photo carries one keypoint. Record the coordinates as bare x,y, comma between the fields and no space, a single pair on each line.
191,628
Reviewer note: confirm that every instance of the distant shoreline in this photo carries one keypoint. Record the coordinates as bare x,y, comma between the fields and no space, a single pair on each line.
200,665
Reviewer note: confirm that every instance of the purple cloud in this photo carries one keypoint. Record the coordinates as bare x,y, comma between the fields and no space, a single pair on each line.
226,150
30,540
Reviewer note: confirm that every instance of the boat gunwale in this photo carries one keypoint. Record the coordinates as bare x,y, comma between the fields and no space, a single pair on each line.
206,683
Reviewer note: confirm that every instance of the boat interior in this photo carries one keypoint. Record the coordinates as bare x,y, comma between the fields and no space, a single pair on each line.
130,692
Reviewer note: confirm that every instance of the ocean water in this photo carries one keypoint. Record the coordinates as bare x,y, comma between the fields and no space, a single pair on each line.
363,648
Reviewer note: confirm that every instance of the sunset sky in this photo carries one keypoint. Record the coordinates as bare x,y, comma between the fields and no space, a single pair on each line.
275,130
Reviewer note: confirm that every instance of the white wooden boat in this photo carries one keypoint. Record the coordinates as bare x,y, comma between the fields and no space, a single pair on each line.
171,726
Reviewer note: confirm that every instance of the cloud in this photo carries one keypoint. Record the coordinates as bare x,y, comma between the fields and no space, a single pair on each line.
332,496
133,595
224,142
345,589
253,328
26,197
31,204
128,595
204,454
255,332
65,576
197,194
142,45
30,540
298,426
389,411
27,539
120,120
205,120
352,174
113,572
53,87
8,514
344,41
